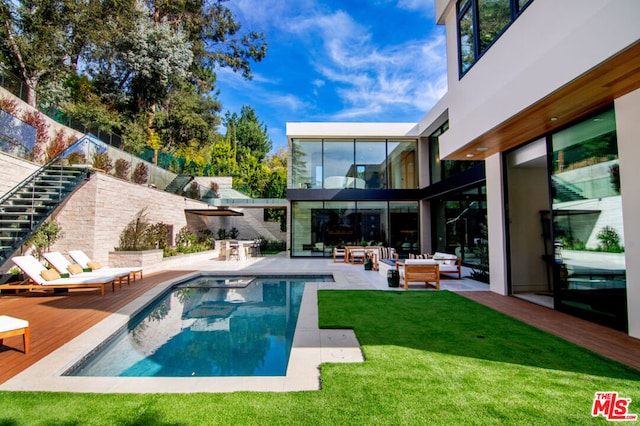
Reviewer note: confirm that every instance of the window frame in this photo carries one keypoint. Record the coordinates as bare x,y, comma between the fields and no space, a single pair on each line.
464,6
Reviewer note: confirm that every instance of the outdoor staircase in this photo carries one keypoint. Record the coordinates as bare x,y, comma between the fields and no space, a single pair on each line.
178,183
30,203
564,192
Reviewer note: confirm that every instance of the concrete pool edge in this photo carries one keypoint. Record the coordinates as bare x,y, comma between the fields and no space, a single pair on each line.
311,347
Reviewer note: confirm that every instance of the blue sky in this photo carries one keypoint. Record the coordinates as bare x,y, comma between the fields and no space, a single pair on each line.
349,60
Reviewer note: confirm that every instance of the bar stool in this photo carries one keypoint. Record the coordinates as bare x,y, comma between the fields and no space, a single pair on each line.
234,249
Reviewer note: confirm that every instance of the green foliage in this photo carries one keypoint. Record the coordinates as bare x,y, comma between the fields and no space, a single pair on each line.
134,236
272,246
614,177
609,240
460,363
234,233
185,237
102,161
44,237
158,234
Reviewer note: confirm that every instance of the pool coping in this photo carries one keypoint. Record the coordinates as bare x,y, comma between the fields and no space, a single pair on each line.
311,347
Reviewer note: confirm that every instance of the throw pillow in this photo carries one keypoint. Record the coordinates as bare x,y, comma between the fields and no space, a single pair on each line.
74,269
94,265
50,275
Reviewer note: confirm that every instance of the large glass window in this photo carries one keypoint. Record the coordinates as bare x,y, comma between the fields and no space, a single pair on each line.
307,163
493,18
318,227
466,36
371,164
403,164
338,165
355,164
443,169
480,23
590,270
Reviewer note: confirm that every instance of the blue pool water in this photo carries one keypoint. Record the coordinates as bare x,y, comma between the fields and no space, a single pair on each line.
207,326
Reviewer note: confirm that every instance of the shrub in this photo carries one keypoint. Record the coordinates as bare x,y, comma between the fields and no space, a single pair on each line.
8,105
222,234
185,238
234,233
37,120
193,191
122,168
102,162
158,235
76,158
609,240
140,174
59,143
134,236
273,246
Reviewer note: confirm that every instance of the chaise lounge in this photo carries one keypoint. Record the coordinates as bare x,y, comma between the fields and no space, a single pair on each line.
85,261
63,266
41,278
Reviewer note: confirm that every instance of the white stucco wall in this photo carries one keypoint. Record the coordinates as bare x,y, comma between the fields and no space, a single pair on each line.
550,44
496,225
628,130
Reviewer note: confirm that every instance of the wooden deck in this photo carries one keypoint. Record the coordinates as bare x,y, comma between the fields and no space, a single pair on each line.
57,319
603,340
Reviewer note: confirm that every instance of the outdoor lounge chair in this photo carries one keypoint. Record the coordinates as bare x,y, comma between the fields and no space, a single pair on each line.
83,260
33,269
419,270
63,266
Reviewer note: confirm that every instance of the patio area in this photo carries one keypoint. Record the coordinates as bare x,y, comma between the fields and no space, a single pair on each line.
56,320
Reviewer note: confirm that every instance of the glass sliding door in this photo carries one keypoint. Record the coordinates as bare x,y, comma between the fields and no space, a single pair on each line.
460,226
404,227
372,217
304,236
587,226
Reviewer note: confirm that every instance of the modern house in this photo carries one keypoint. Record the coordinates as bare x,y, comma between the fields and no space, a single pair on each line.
528,158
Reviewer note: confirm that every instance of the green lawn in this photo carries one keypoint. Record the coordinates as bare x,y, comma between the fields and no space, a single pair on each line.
431,358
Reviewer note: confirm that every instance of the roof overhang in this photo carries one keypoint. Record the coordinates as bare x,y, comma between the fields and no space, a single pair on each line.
214,212
592,91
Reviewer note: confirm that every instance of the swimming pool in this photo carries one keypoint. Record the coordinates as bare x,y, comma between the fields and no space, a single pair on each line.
208,326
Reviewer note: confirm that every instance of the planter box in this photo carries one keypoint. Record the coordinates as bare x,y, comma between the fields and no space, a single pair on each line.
144,258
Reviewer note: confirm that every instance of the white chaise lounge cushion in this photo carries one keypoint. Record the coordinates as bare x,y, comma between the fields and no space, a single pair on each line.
33,268
83,260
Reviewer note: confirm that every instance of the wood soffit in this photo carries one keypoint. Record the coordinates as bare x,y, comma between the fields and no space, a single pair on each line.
588,93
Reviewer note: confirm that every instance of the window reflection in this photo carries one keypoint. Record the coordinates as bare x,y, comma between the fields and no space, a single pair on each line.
588,231
371,164
338,165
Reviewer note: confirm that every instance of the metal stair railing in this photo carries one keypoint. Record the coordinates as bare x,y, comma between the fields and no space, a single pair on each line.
37,196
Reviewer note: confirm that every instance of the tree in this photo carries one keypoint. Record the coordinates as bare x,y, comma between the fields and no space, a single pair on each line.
251,135
223,159
34,41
